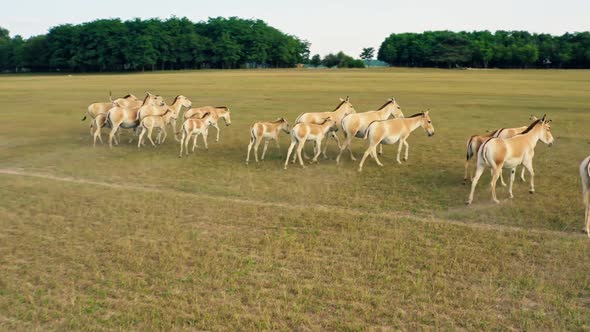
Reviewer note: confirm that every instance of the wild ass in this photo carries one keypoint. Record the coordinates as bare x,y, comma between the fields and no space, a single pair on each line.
343,109
391,131
499,153
585,176
193,127
172,111
95,109
355,125
476,141
303,132
216,113
126,118
148,123
266,131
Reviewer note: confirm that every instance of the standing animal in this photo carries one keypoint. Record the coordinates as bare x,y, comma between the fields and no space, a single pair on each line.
193,127
216,113
355,125
585,175
303,132
101,121
499,153
476,141
126,118
343,109
266,131
391,131
95,109
148,123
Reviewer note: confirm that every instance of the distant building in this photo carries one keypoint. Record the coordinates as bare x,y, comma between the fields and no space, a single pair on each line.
375,63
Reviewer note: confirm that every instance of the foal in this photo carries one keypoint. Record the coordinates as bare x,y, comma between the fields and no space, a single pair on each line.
266,131
499,153
303,132
193,127
149,122
585,175
391,131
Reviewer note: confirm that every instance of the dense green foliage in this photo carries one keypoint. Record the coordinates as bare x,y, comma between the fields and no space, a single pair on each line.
175,43
341,60
483,49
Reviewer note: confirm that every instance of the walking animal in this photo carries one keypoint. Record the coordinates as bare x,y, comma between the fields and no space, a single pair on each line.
95,109
585,175
148,123
499,153
172,111
216,113
266,131
355,125
476,141
343,109
193,127
391,131
303,132
126,118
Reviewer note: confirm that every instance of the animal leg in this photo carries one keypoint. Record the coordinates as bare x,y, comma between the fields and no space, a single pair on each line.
381,149
112,133
249,149
365,155
216,127
143,130
149,135
407,148
497,173
374,154
512,176
195,136
293,142
399,150
478,173
529,167
522,175
318,144
181,143
299,148
163,131
264,149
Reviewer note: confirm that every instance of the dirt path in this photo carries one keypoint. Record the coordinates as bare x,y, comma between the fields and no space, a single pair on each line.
317,207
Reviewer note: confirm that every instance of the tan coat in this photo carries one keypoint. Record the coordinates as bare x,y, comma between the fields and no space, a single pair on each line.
585,177
266,131
303,132
216,113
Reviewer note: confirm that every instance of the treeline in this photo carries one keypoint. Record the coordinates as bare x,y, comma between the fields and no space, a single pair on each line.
339,60
175,43
483,49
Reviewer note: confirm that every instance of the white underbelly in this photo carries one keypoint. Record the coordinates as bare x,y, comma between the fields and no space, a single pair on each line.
390,140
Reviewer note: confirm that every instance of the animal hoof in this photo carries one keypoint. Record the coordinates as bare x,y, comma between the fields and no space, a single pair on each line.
503,184
532,191
405,158
468,202
496,201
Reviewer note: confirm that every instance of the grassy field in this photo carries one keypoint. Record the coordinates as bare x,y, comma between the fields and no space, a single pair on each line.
140,239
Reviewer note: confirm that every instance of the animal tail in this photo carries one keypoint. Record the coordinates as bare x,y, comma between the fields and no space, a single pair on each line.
483,150
342,126
84,118
252,135
470,149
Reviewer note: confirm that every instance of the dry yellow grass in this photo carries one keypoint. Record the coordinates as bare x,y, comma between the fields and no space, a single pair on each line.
126,239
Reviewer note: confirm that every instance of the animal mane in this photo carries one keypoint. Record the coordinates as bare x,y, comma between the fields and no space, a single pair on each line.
325,120
279,120
337,107
417,114
127,96
531,126
387,103
145,99
175,98
224,107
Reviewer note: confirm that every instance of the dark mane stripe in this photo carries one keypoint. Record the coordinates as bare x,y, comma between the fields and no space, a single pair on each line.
493,133
337,107
145,99
417,114
175,99
224,107
531,127
387,103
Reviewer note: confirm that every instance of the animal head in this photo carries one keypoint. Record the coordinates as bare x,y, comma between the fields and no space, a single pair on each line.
427,124
184,101
546,136
395,108
346,106
284,125
225,114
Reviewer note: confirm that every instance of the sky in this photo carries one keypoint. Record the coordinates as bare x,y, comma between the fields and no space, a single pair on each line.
330,26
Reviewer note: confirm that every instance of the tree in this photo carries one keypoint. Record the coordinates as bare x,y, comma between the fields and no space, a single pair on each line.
316,60
367,54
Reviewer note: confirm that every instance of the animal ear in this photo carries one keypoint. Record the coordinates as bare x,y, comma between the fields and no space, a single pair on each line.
543,119
426,113
347,99
391,99
341,99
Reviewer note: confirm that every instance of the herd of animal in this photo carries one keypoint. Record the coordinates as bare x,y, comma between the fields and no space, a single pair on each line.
504,148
